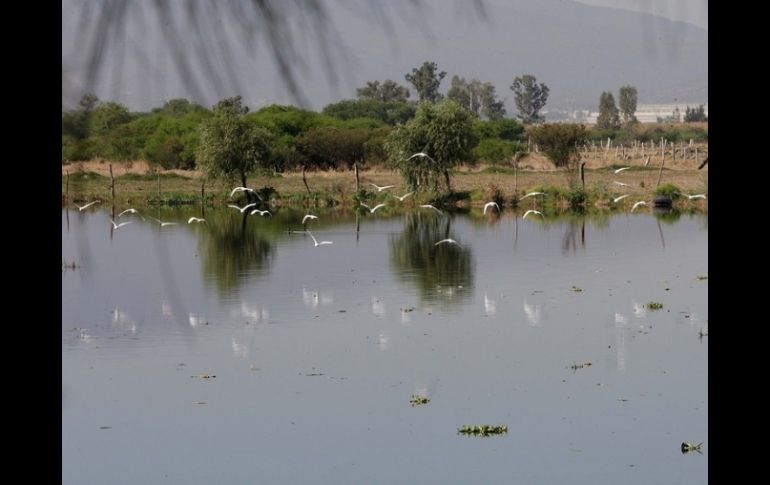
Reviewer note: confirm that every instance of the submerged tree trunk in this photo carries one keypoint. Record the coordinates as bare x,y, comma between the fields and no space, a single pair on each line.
446,178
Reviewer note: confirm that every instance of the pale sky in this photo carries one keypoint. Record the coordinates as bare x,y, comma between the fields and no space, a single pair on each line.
579,49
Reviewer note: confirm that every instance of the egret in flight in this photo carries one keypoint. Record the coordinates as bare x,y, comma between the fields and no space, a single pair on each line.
428,206
532,212
491,204
118,226
532,194
641,202
621,184
401,198
88,205
131,211
422,154
242,209
621,169
262,213
372,209
308,216
696,196
449,240
195,219
380,189
618,199
315,241
244,189
164,224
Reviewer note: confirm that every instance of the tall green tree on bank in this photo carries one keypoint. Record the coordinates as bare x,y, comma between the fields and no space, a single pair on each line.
530,98
695,114
627,98
229,145
478,97
560,142
387,91
426,81
608,118
444,132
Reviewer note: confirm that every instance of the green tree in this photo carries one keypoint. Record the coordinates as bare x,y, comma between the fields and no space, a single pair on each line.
387,91
530,98
389,112
608,118
230,146
479,98
559,142
443,131
627,98
426,81
695,114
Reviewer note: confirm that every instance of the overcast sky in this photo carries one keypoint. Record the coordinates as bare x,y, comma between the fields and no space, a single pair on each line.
579,49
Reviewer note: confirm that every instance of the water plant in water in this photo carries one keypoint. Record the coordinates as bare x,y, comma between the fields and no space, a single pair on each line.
654,305
690,447
483,430
576,289
417,400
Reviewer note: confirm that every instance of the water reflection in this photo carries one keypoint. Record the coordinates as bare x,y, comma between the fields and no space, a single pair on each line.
232,251
534,313
441,273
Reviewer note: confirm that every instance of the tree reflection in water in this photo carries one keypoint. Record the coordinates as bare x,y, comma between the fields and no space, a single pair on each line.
443,274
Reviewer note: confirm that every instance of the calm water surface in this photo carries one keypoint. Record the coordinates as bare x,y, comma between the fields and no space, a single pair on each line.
318,350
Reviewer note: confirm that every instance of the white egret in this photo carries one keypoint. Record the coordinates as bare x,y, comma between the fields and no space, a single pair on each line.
130,211
244,189
308,216
422,154
164,224
195,219
531,211
696,196
81,208
621,169
403,196
372,209
618,199
641,202
319,243
242,209
491,204
380,189
450,241
428,206
621,184
117,226
532,194
262,213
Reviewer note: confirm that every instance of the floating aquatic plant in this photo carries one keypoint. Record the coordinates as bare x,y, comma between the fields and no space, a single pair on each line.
483,430
654,305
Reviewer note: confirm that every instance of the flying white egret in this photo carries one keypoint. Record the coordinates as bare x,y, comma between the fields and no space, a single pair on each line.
380,189
242,209
401,198
81,208
621,169
422,154
620,183
696,196
532,194
372,209
163,224
319,243
450,241
428,206
130,211
195,219
117,226
641,202
618,199
262,213
308,216
531,211
245,189
491,204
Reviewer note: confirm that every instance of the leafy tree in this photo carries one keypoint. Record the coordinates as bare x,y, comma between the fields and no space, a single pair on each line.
234,103
491,107
106,116
178,107
530,98
444,131
559,142
288,120
426,81
695,114
627,100
230,146
478,97
505,129
386,92
328,147
389,112
497,151
608,113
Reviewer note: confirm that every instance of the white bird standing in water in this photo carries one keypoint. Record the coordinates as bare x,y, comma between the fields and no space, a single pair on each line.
428,206
81,208
319,243
618,199
641,202
621,169
380,189
450,241
308,216
401,198
531,211
195,219
372,209
491,204
242,209
117,226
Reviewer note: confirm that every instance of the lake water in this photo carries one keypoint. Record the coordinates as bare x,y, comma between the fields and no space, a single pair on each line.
234,351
